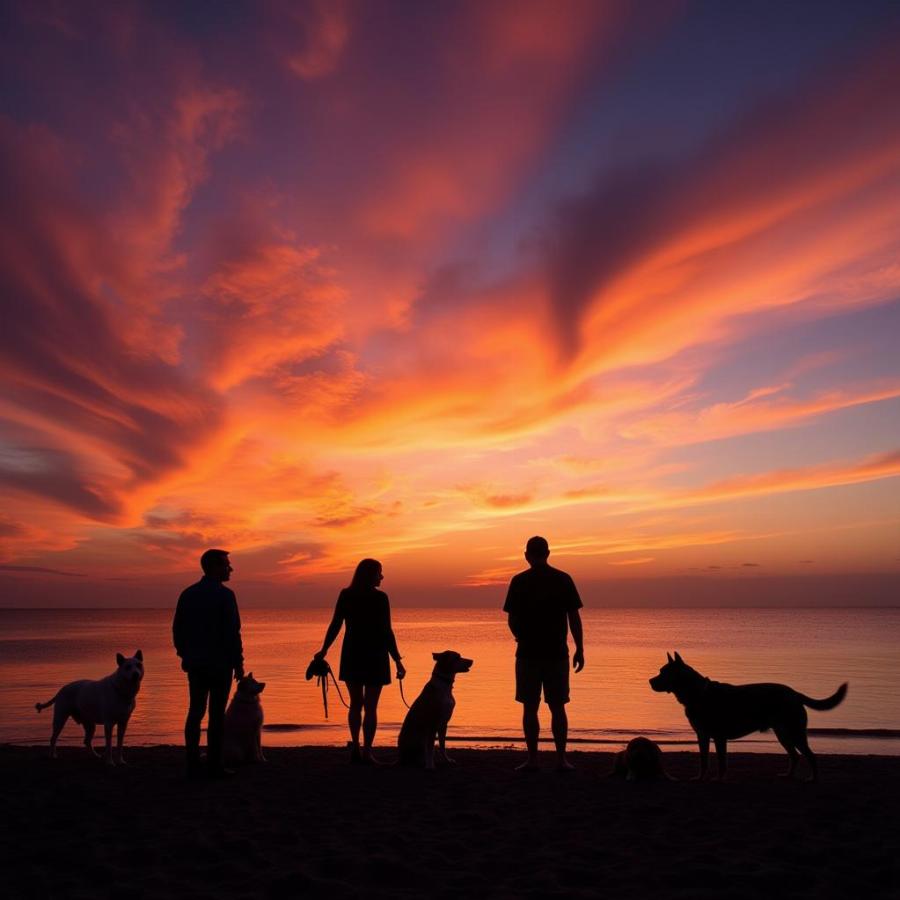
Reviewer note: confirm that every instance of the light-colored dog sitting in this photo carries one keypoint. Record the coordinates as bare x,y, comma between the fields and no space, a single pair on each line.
243,723
430,713
109,701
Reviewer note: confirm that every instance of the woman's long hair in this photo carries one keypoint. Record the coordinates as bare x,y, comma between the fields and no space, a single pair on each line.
366,574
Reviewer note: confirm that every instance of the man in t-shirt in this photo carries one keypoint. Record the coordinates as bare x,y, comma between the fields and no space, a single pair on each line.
542,604
207,635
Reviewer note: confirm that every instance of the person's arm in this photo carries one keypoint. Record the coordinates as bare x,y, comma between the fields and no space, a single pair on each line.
237,645
578,637
509,607
178,626
392,642
334,628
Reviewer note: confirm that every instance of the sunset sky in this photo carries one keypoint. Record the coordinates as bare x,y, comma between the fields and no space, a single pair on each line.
318,281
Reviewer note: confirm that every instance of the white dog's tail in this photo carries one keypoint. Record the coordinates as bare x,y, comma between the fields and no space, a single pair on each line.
40,706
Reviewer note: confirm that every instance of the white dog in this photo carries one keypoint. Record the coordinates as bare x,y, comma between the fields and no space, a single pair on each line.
430,713
108,701
243,723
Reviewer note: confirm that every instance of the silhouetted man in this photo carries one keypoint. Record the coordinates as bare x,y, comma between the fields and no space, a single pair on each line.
207,635
542,604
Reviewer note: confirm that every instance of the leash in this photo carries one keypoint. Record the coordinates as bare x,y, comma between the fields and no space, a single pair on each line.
323,680
402,695
320,669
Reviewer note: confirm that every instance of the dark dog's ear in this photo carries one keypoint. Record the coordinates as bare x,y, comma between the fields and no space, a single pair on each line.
249,674
435,656
678,657
669,657
262,686
139,655
119,659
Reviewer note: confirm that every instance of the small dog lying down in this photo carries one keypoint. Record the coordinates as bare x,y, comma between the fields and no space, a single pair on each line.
431,711
109,701
243,723
641,760
726,711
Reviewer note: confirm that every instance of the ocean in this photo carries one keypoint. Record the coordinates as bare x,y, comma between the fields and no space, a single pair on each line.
813,650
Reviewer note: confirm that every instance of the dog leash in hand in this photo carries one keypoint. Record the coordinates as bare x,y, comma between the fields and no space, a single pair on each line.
320,669
324,680
402,695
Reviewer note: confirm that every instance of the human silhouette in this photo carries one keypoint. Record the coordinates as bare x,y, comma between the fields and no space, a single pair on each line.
542,604
206,631
369,640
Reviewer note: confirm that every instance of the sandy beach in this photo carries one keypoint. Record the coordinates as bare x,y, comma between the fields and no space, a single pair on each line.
307,823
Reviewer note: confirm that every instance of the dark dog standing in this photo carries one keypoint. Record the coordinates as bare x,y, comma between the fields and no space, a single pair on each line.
724,712
430,713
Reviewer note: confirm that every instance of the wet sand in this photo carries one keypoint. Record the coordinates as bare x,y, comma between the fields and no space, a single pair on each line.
307,823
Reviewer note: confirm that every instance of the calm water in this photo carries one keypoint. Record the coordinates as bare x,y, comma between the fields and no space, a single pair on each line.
812,650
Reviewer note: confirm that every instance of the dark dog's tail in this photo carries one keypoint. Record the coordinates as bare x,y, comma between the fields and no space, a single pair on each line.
40,706
829,702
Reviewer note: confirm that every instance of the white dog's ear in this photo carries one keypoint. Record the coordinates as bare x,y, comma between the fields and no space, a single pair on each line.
119,659
678,657
139,655
249,674
669,657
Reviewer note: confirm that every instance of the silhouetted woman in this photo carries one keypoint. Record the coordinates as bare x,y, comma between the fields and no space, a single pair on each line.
368,641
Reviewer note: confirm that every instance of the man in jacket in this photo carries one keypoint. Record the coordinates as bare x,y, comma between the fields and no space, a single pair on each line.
207,636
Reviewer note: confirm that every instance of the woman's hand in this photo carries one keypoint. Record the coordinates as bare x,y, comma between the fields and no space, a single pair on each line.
401,671
320,654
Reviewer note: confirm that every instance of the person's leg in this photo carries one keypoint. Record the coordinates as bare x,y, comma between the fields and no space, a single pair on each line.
531,727
528,693
219,689
559,724
556,695
371,695
354,716
198,687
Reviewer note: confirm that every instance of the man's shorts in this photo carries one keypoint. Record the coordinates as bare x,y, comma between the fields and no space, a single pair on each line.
550,674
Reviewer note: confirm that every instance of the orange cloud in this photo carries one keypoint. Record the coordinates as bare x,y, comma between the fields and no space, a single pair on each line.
289,291
273,305
873,468
761,410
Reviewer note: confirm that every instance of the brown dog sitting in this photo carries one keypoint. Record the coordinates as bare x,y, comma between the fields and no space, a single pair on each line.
430,713
641,760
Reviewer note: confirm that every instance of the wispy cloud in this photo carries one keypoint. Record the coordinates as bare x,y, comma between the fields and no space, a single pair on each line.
321,284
